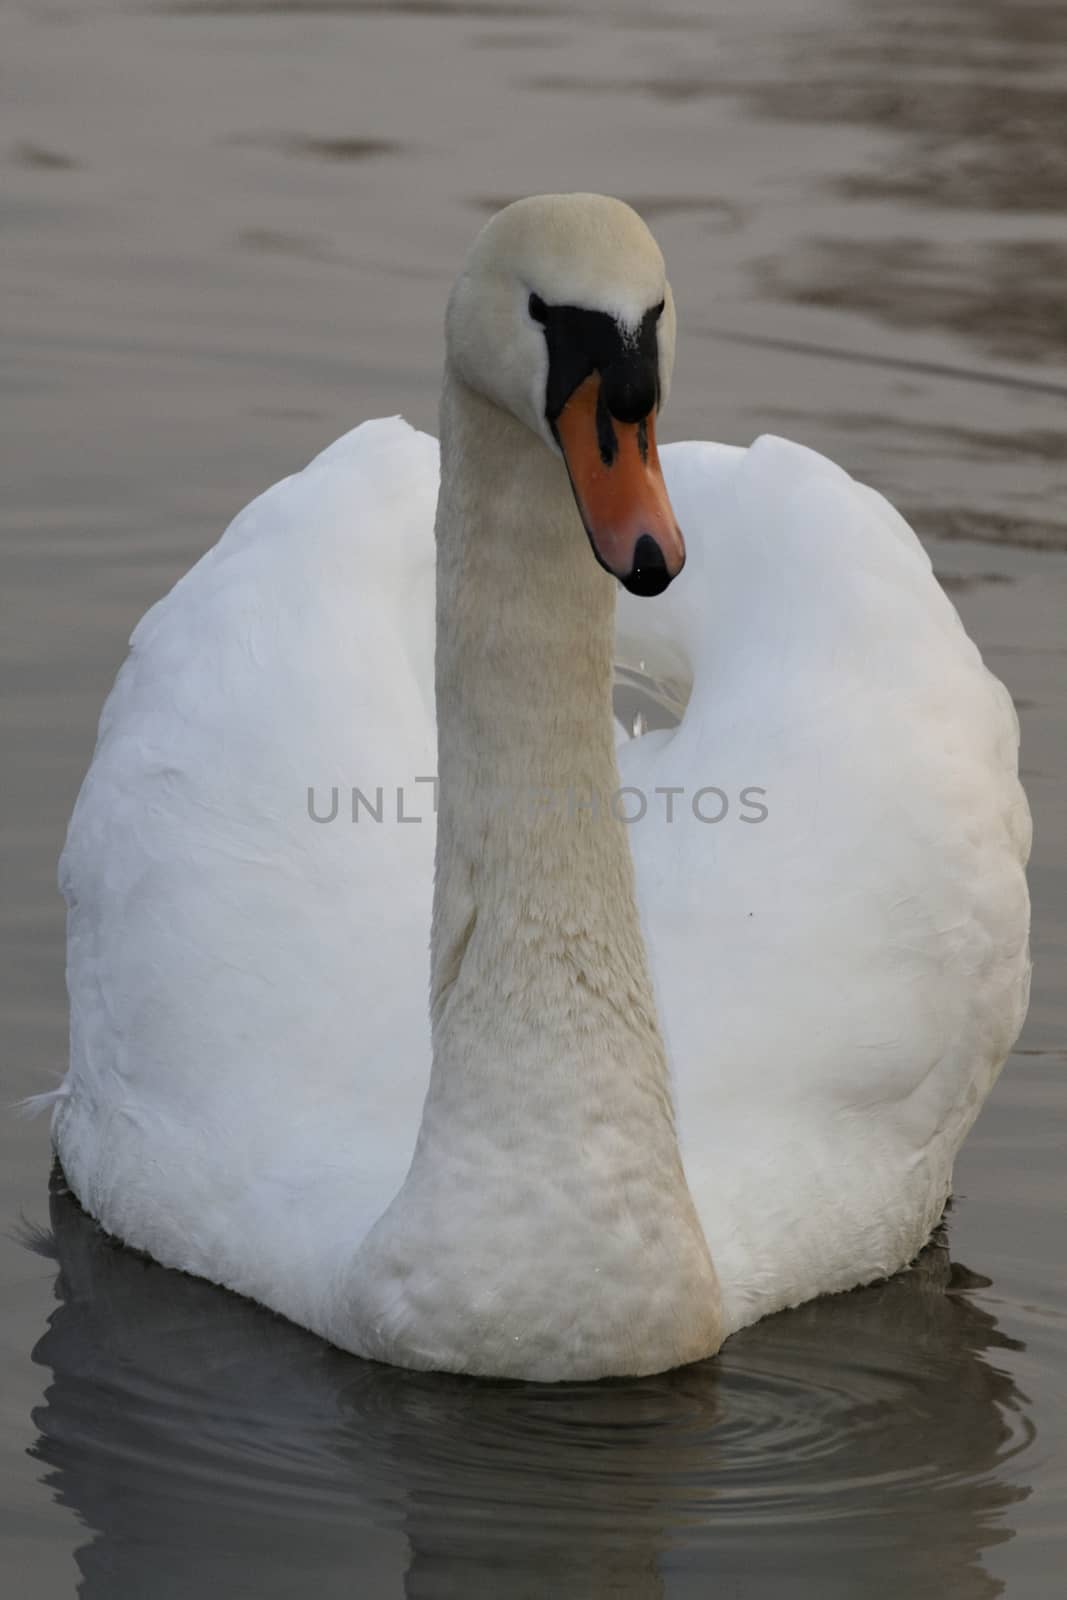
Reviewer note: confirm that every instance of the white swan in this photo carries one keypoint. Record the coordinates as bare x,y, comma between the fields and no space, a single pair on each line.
837,984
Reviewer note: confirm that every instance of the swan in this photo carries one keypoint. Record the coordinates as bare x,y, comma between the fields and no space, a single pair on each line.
710,1010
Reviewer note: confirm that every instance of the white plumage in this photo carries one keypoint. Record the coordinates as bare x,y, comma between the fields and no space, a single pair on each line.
838,983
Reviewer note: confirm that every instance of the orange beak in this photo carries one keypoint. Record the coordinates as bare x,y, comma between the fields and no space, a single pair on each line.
618,484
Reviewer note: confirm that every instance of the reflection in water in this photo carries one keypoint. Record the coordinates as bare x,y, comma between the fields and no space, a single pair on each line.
474,9
969,444
304,147
274,241
975,93
210,1447
970,85
1006,298
38,158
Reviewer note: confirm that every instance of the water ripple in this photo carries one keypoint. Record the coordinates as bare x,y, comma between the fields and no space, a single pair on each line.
174,1405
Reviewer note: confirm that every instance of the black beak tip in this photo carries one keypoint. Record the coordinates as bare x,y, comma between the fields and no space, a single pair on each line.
648,576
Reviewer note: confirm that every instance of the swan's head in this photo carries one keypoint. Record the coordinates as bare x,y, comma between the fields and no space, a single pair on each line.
563,316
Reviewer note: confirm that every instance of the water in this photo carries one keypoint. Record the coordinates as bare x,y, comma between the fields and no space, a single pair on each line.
228,228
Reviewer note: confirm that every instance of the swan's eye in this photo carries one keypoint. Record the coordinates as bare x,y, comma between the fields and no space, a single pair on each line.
538,309
657,311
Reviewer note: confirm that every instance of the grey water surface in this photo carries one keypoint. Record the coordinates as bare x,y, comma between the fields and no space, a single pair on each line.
227,230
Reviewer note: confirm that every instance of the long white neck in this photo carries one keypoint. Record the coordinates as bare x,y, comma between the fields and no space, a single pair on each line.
530,855
545,1228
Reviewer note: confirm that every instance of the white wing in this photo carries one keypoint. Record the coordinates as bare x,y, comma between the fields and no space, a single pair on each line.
249,1044
840,981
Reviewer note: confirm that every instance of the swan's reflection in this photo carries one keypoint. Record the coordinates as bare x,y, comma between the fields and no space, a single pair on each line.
859,1445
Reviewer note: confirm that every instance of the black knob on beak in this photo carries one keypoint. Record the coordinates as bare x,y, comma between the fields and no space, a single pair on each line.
648,575
629,388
